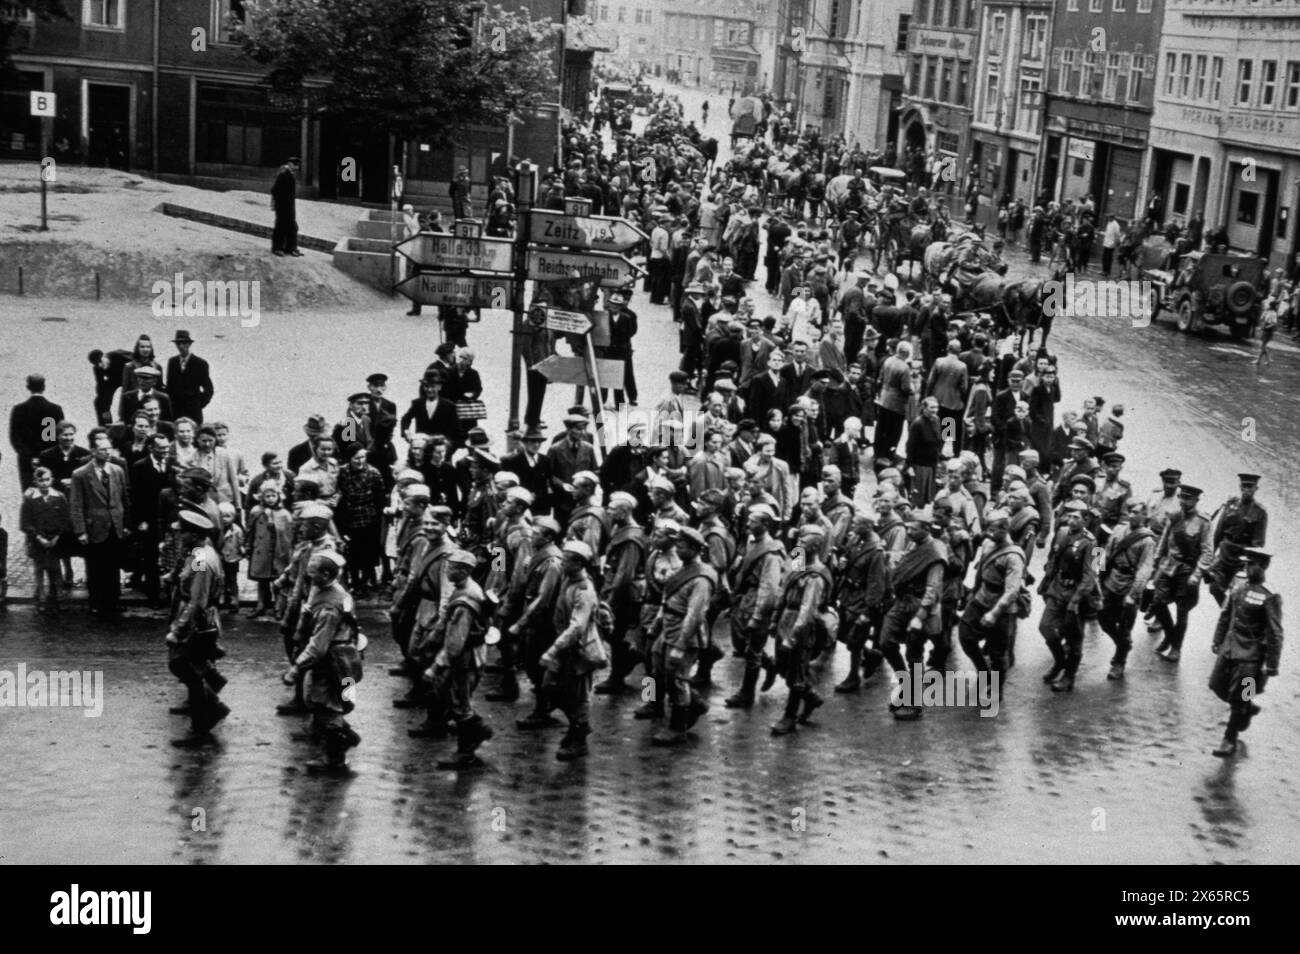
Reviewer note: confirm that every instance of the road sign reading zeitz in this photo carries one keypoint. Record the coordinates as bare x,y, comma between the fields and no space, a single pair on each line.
611,271
597,232
568,322
431,288
435,250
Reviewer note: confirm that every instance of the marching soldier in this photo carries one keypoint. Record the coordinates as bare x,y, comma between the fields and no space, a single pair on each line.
1162,506
1129,562
809,514
578,650
800,630
314,520
681,632
990,614
533,627
1068,589
1081,462
192,638
1239,523
661,563
1025,522
332,656
1248,642
513,540
861,591
623,588
961,551
587,519
890,527
1111,497
915,614
427,592
663,505
958,499
756,586
1183,557
459,662
837,508
720,551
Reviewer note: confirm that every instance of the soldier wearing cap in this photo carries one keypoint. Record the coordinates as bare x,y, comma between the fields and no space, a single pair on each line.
800,630
313,520
420,616
861,591
719,552
1112,496
578,650
1129,563
455,670
332,656
192,638
663,504
571,454
623,587
412,543
1024,526
587,521
1239,523
916,613
531,619
1162,506
681,632
1248,643
960,545
1040,493
661,563
836,506
1183,556
1081,462
989,617
1069,591
957,498
482,503
755,580
889,525
510,551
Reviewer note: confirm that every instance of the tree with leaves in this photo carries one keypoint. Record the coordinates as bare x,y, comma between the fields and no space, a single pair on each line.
418,69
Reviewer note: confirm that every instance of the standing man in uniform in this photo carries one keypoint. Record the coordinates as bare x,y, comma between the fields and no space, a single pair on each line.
800,630
1183,557
1129,563
1112,496
459,662
578,650
1069,590
533,628
1239,523
192,638
1248,642
623,589
916,613
862,589
1162,506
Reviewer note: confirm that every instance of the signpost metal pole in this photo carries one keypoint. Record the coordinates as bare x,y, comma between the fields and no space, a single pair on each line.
526,194
593,381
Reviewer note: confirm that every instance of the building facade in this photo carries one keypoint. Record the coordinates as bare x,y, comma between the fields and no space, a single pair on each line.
711,45
850,74
1007,119
1225,137
159,98
938,95
1100,96
638,29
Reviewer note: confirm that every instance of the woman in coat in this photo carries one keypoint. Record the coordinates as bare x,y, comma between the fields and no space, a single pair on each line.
141,356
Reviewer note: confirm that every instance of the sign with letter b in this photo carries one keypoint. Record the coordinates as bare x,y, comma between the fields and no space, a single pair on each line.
42,103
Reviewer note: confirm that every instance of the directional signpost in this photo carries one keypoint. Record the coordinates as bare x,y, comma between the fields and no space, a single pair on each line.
434,288
595,232
436,250
611,271
567,322
559,369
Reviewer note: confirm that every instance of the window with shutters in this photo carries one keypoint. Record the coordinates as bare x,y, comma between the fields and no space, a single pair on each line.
1267,83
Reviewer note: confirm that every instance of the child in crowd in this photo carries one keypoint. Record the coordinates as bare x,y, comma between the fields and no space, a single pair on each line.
232,551
269,544
44,518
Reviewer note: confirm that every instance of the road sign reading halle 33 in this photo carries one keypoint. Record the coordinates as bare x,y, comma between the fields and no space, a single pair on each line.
436,250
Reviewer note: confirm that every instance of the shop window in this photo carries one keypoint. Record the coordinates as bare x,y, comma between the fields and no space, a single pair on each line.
1247,207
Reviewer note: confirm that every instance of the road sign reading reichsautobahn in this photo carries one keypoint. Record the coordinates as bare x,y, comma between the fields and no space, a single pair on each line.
610,271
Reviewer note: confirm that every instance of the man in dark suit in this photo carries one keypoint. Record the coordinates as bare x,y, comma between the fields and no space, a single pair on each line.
798,373
949,384
32,427
284,202
299,454
99,507
533,469
189,381
150,476
432,414
622,329
107,369
754,352
769,390
132,401
742,447
1003,410
383,422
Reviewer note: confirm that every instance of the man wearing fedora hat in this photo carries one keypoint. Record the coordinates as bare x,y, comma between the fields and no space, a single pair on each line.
189,380
431,413
622,329
299,454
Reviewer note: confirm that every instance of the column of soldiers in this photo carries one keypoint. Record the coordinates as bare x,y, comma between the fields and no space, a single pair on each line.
603,592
